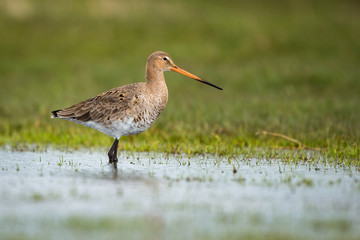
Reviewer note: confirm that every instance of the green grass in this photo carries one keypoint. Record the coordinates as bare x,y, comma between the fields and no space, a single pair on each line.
290,67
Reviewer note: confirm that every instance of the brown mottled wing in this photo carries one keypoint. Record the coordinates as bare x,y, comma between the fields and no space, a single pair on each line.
105,107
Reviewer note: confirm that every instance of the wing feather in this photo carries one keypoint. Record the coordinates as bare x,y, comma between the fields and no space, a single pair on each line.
109,105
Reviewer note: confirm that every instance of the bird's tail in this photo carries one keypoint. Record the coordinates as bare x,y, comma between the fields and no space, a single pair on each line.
54,114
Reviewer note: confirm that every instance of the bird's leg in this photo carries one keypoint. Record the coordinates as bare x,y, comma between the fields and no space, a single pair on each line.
113,152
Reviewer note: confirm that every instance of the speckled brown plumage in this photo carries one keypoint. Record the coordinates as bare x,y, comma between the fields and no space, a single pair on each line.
130,109
118,104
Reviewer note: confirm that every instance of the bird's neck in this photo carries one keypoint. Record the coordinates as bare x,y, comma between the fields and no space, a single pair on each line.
153,75
155,82
154,78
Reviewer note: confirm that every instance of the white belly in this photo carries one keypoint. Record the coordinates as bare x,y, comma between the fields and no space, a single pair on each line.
118,129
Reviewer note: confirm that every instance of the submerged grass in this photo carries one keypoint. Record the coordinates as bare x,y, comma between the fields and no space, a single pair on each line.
290,68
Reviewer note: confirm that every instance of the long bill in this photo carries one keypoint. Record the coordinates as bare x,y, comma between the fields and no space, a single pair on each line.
190,75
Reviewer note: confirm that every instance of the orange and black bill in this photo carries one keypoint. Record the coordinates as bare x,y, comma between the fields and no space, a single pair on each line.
190,75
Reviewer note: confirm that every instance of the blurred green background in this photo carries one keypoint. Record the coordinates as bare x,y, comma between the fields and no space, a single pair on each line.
291,67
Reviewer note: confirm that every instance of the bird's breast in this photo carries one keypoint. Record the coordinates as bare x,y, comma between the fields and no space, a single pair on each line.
148,111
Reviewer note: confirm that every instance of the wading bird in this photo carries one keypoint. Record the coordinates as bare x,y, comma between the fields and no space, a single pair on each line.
130,109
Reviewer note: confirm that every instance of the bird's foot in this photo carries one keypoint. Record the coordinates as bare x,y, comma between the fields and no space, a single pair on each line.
113,159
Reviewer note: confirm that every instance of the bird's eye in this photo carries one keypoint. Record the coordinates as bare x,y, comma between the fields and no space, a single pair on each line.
165,58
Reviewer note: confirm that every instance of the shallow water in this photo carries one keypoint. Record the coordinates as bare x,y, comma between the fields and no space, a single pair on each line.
54,195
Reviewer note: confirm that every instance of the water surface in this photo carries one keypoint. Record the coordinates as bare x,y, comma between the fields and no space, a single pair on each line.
55,194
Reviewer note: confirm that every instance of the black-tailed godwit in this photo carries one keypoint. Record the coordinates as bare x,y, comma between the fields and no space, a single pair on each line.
130,109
